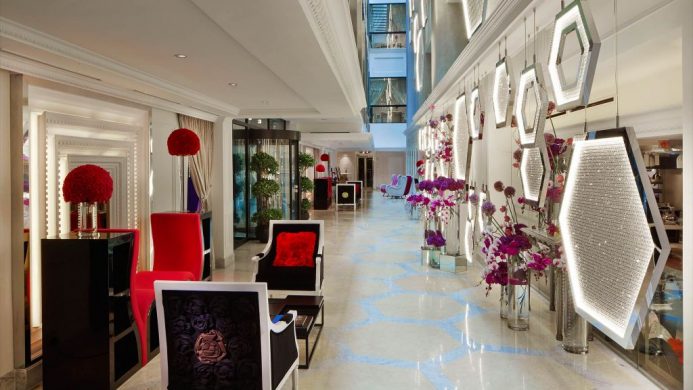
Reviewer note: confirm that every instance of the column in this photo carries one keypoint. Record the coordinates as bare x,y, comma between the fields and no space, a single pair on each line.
221,202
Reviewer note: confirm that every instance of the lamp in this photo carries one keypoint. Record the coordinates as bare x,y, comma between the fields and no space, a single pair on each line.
607,236
502,94
574,18
531,82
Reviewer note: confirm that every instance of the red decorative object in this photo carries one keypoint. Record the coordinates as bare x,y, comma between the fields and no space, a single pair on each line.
183,142
419,163
88,183
295,250
320,168
324,157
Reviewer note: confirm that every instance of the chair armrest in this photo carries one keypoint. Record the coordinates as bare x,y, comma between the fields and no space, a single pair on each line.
286,322
258,257
283,350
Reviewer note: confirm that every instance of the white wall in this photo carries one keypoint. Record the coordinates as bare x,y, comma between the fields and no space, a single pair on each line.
347,163
6,335
385,165
165,183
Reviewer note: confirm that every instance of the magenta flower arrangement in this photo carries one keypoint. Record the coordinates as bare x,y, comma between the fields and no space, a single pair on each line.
435,238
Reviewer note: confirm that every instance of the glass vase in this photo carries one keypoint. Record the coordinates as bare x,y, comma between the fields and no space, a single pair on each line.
558,275
504,302
575,328
87,220
518,296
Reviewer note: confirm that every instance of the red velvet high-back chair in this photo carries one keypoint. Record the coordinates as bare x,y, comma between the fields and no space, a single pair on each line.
178,256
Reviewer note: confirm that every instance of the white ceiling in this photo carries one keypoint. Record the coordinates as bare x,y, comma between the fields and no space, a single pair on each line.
287,57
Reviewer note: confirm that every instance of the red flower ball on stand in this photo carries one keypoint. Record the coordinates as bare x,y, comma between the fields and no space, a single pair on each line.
324,157
183,142
320,168
88,183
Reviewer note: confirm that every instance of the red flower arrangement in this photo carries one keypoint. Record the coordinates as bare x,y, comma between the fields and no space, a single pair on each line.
183,142
88,183
324,157
320,168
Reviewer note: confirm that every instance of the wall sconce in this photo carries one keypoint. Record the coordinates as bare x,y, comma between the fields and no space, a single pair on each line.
607,235
575,18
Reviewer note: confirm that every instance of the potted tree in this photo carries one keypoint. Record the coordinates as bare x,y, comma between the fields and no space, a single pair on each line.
305,161
265,191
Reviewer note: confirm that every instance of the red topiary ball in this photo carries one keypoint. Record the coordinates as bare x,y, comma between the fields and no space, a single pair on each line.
320,168
324,157
183,142
419,163
88,183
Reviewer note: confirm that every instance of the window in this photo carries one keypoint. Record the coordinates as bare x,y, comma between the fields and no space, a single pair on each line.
387,99
387,26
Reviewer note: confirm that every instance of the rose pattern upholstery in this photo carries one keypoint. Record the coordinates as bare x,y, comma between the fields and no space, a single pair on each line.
212,340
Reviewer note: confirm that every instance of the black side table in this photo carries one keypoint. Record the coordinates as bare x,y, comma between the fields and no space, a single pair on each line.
310,306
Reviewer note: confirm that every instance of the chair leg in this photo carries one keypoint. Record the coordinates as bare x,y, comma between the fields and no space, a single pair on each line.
294,379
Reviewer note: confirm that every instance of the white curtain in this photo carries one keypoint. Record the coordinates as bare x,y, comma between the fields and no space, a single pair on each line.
201,163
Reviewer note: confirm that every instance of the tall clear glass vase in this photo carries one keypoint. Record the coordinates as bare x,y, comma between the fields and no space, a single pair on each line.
575,328
518,295
504,302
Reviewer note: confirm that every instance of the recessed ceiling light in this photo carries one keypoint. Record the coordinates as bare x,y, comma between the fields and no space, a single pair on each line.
180,55
233,84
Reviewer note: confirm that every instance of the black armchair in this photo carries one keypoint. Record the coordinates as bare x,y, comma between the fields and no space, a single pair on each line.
219,335
292,263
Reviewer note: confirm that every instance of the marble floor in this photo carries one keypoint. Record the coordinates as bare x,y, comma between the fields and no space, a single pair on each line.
393,324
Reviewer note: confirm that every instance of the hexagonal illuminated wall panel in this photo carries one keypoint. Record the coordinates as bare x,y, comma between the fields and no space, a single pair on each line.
479,212
461,140
608,241
534,169
474,114
531,86
474,15
502,94
575,18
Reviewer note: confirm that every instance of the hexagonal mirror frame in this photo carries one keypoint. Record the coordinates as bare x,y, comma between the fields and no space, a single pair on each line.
575,17
474,107
461,140
474,12
534,168
607,234
469,227
503,96
531,79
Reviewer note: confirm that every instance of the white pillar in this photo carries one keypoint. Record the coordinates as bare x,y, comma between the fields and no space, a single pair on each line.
6,317
687,120
221,201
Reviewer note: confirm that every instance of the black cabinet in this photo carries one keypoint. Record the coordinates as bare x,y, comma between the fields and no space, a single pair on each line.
89,339
322,195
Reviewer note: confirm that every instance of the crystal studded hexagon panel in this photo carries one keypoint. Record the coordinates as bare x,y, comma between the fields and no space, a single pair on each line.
474,15
606,236
502,94
461,140
474,114
531,86
575,18
533,169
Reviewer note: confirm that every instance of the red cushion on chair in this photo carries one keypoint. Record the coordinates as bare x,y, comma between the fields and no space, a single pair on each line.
295,250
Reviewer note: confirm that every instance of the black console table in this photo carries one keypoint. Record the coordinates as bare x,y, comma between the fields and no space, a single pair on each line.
89,336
